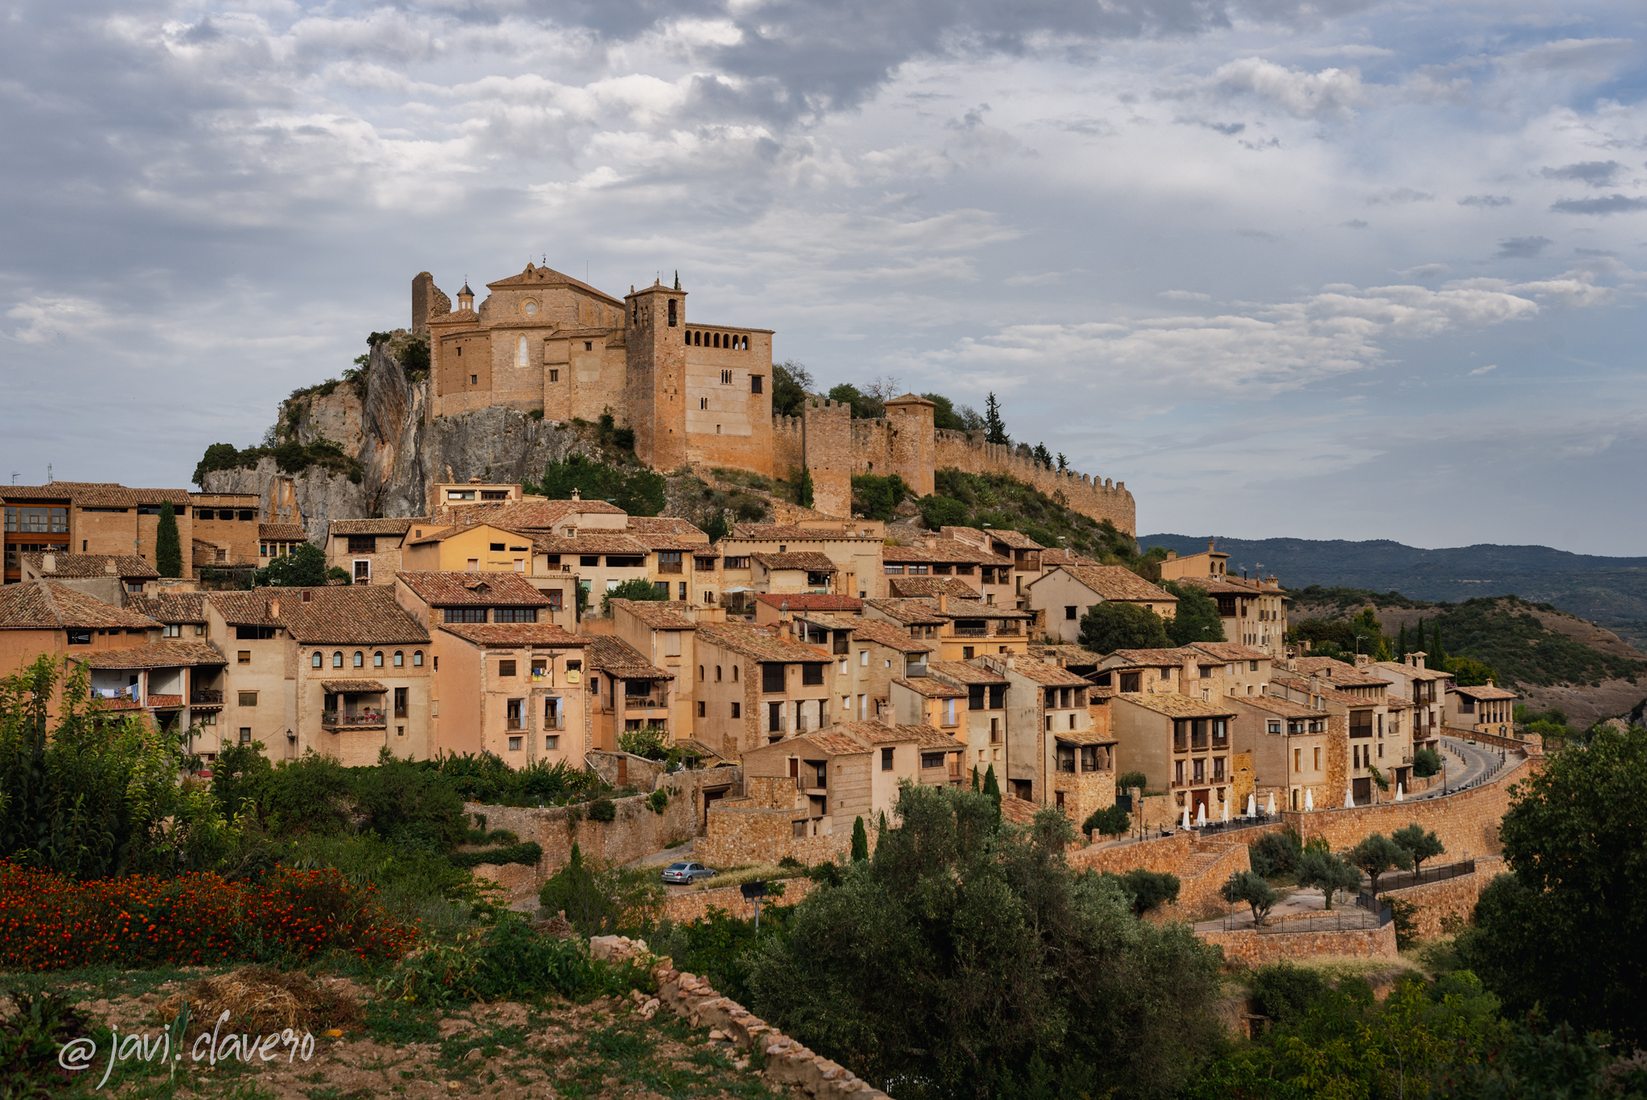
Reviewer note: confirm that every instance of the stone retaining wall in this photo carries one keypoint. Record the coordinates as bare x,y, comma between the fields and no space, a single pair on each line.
684,904
1251,949
1439,904
787,1062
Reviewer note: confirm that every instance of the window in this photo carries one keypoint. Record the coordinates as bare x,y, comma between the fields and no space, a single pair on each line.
703,403
417,658
248,698
337,659
886,760
377,660
737,710
363,572
702,711
400,659
362,544
506,667
172,630
316,660
401,701
674,316
359,659
771,678
756,383
464,614
812,674
551,742
245,735
244,657
717,674
515,615
515,743
554,374
726,378
474,379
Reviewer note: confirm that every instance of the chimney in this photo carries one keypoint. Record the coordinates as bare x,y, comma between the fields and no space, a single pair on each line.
943,600
274,607
48,563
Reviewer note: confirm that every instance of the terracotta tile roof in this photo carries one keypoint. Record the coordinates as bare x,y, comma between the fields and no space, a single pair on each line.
1017,540
809,560
281,532
658,614
1149,658
810,601
880,733
1271,704
86,566
612,655
1339,672
762,643
538,276
1115,582
335,615
931,688
978,609
1017,811
538,515
830,741
510,635
872,630
164,654
667,533
171,607
48,605
1487,692
1175,705
591,542
1305,686
225,500
1231,651
1059,556
501,589
96,494
943,551
385,526
1232,586
464,528
932,586
352,687
965,672
1411,672
1065,654
909,612
1047,675
794,532
1082,737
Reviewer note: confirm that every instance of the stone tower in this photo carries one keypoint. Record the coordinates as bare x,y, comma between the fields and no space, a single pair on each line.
428,300
655,342
914,443
826,443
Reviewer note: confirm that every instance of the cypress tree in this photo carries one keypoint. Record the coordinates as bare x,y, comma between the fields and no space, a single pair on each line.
168,548
803,488
992,788
860,841
1401,643
1438,652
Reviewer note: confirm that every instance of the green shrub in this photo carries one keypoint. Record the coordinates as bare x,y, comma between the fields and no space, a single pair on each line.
1275,854
1426,762
1109,821
603,809
876,497
599,900
509,961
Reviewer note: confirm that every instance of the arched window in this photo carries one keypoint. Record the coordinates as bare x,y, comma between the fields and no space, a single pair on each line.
400,659
673,317
520,352
700,674
316,660
417,658
337,659
377,659
360,659
734,674
717,674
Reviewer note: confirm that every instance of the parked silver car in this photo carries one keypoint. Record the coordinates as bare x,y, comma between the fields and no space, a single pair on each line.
685,872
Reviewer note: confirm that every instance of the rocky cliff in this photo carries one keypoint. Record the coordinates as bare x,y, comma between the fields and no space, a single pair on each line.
381,423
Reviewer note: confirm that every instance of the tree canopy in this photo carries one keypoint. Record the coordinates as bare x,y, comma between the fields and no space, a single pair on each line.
1566,930
168,550
965,959
1114,624
1197,618
635,489
304,567
791,382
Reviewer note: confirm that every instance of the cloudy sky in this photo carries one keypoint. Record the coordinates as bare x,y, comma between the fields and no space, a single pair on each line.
1324,268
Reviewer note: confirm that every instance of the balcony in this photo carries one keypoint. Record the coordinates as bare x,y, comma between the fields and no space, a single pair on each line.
205,697
656,699
335,720
164,702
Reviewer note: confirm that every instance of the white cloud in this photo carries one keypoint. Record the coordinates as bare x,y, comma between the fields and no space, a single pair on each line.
1298,92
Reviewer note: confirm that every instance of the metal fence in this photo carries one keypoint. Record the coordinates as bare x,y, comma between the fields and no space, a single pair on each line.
1400,880
1349,918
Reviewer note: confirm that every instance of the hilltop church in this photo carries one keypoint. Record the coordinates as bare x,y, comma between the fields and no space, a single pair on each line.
545,342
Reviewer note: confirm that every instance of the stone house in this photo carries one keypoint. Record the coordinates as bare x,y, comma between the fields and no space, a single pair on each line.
48,618
927,556
1181,744
980,714
514,689
1426,688
1054,755
665,634
797,571
278,540
757,684
1064,593
869,656
626,691
112,578
1484,709
469,548
1290,752
369,550
963,629
853,547
1378,738
341,671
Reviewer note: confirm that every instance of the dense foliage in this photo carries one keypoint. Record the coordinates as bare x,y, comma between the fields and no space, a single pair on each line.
635,588
1566,930
996,500
290,457
877,497
634,488
304,567
964,958
1113,625
1196,619
168,548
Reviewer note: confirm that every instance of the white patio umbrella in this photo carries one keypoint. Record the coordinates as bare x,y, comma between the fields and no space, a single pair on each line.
1349,798
1226,811
1400,792
1309,799
1201,815
1270,810
1186,823
1252,805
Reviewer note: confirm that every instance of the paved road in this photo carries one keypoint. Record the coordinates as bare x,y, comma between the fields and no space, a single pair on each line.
1466,763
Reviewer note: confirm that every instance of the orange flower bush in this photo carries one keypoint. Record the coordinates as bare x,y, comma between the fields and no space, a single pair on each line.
50,922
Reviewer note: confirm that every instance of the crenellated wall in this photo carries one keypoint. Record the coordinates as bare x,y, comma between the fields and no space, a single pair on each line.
1093,497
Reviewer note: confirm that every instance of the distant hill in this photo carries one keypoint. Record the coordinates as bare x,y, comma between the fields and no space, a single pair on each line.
1611,592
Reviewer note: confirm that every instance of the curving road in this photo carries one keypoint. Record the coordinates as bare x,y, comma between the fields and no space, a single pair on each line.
1466,763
